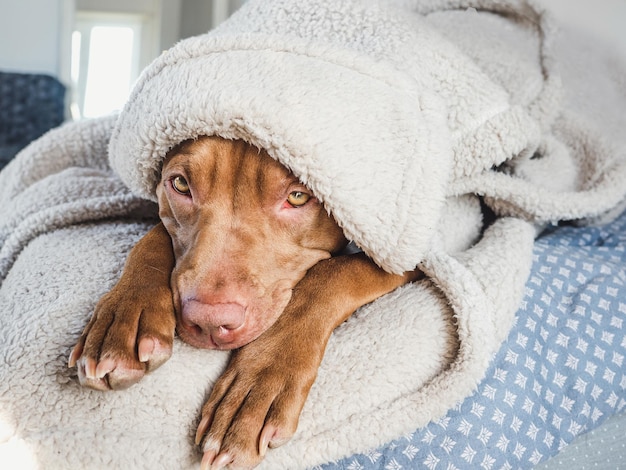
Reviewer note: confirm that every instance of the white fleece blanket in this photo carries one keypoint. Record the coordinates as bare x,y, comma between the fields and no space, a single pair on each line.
397,115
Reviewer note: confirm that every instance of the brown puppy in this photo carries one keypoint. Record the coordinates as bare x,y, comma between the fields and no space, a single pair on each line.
242,259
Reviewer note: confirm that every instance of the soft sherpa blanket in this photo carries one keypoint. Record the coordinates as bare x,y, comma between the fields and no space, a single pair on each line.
398,115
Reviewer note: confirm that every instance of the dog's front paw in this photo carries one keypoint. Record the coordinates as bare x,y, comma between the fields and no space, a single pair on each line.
256,403
130,333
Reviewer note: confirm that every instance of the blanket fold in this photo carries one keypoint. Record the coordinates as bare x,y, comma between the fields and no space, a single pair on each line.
404,118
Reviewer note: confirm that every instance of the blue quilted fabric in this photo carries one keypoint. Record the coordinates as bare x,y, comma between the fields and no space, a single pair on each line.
30,105
560,373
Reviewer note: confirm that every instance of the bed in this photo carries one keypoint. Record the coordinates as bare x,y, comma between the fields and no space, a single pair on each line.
559,375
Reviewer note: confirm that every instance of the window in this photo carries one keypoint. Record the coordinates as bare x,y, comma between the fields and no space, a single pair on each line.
105,61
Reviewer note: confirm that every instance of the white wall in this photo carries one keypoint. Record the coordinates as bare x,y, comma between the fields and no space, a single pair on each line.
35,35
30,35
199,16
32,31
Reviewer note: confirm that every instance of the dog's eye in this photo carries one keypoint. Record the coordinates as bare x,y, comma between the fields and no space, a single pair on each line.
180,185
298,198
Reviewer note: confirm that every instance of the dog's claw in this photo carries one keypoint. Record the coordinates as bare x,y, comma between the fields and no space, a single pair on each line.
77,351
207,460
145,349
90,368
104,367
267,435
203,427
221,461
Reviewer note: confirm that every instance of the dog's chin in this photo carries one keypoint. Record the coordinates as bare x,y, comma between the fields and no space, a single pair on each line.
213,341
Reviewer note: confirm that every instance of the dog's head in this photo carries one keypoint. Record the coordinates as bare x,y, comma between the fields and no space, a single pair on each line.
244,232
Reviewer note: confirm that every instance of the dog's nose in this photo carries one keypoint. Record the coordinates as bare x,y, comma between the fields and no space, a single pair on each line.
208,318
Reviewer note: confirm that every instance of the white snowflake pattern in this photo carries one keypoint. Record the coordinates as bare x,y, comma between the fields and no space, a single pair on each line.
500,375
484,435
510,398
607,337
502,443
488,462
355,465
596,317
559,379
552,356
465,427
618,359
580,386
393,465
612,400
596,415
489,392
535,457
591,368
574,428
448,444
516,424
572,324
444,422
571,362
428,437
468,454
519,451
498,416
567,404
511,357
564,272
410,451
528,405
609,375
532,431
562,340
431,461
520,380
477,410
373,456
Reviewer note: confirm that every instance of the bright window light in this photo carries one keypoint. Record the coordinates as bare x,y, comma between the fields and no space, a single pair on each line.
105,61
109,70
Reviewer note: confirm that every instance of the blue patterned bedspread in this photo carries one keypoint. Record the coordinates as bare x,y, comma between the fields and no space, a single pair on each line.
560,373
